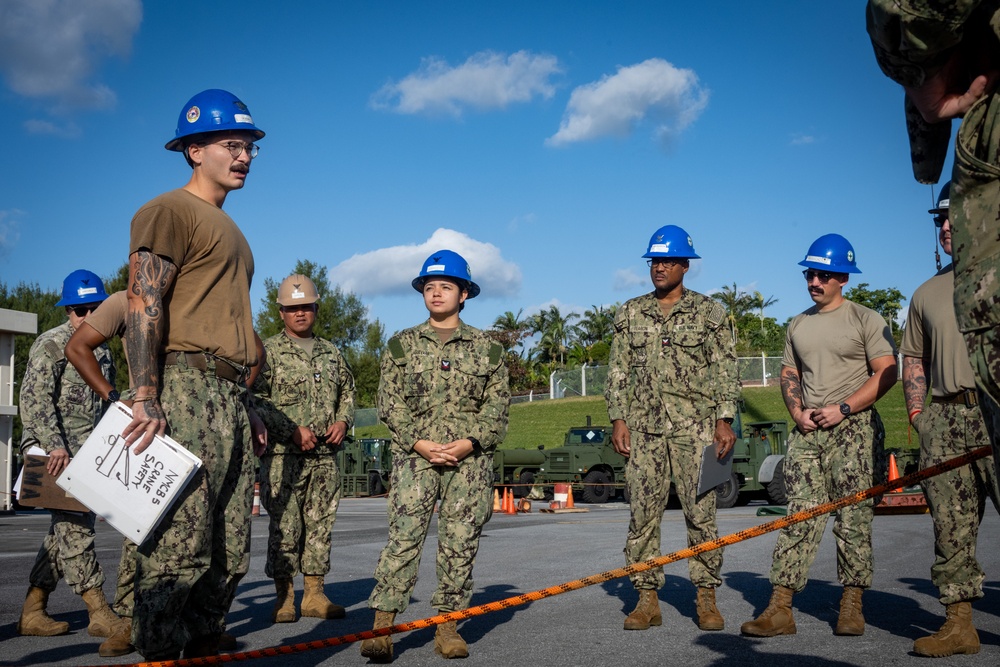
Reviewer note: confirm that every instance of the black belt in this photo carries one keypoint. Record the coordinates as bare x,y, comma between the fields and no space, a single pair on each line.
200,361
969,398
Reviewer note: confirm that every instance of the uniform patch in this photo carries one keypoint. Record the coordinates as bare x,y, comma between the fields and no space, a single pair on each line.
664,342
396,348
193,114
445,365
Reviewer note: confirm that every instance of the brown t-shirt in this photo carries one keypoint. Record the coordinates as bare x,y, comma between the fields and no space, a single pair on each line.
932,333
832,351
109,321
208,306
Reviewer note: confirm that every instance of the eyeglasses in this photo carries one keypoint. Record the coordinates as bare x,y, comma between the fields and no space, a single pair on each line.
823,276
83,311
939,220
236,148
664,261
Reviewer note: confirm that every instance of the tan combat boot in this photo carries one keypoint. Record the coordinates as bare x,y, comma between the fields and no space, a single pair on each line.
776,619
957,635
103,621
646,612
448,643
34,621
850,622
709,617
379,649
315,604
284,604
120,643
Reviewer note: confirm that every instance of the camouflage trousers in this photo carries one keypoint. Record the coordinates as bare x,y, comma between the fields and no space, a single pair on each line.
466,495
188,570
653,461
124,601
984,353
300,493
68,551
826,465
957,499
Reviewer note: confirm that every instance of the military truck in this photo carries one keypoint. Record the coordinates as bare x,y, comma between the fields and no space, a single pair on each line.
364,466
588,461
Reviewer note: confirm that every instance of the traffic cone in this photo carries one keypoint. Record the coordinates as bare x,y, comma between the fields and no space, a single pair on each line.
569,496
510,503
255,508
560,495
893,470
496,501
524,506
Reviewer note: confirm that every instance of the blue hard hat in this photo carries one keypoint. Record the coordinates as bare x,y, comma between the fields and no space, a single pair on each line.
446,264
212,110
833,253
671,241
81,287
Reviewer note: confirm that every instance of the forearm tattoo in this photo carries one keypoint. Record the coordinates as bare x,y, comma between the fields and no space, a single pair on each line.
914,382
791,389
149,278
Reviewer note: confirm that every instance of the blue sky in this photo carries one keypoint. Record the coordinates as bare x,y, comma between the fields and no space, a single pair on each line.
544,141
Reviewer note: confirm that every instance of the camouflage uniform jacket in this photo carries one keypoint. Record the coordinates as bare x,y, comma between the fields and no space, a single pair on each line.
668,372
58,409
294,389
443,391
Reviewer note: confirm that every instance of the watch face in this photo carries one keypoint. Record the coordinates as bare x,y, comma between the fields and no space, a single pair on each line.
845,409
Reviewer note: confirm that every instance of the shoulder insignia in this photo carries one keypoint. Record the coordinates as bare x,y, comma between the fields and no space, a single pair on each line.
496,354
717,315
54,351
396,348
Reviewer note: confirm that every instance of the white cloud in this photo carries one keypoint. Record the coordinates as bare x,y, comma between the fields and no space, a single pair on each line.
799,139
9,230
49,49
487,80
626,279
69,129
390,270
517,222
654,90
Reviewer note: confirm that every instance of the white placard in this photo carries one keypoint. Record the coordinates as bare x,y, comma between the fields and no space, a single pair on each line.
130,491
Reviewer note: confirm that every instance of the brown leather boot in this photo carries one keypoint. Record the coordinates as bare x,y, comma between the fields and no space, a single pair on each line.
709,617
227,642
284,604
851,622
448,643
957,635
35,621
205,646
103,621
646,612
315,604
379,649
120,643
776,619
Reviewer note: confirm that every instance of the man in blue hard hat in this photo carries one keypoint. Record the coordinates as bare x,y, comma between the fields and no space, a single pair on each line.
59,411
839,359
191,346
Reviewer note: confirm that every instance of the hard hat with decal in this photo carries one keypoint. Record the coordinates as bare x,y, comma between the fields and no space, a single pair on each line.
833,253
671,241
82,287
297,289
944,199
446,264
212,110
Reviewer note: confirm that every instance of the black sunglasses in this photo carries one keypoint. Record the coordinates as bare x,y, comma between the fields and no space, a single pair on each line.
940,219
824,276
83,311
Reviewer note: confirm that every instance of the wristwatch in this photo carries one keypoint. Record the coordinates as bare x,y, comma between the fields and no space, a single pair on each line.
474,441
845,409
113,396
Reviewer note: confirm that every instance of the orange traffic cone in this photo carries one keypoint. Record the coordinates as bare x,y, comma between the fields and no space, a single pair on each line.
496,500
524,505
893,470
560,495
569,496
510,509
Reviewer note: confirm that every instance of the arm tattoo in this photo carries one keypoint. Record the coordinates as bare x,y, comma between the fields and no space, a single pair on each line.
150,276
791,389
914,382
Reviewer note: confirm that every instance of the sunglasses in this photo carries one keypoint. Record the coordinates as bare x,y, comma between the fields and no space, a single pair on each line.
83,311
939,220
823,276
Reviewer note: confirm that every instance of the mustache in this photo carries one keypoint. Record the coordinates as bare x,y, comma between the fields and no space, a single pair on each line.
241,168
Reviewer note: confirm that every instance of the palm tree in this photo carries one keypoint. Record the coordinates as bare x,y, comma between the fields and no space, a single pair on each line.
554,329
596,325
761,303
509,330
736,303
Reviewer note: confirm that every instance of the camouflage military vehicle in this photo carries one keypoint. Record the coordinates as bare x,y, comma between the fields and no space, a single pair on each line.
364,466
587,460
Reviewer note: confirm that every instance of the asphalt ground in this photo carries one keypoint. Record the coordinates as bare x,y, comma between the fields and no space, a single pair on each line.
523,553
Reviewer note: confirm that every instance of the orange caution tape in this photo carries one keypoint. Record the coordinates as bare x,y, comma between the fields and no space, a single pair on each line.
524,598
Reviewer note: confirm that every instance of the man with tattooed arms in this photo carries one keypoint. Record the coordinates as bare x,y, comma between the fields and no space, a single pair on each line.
839,359
191,344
